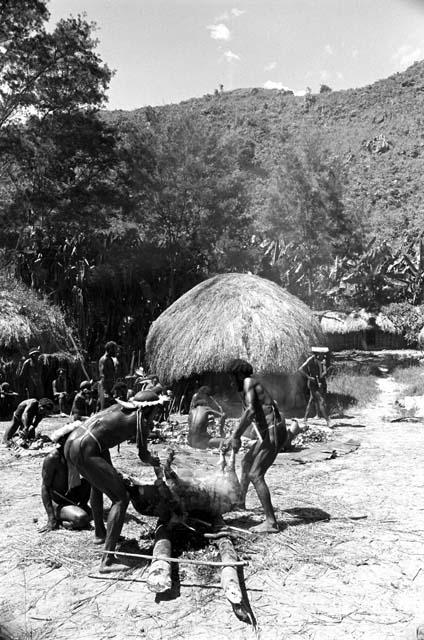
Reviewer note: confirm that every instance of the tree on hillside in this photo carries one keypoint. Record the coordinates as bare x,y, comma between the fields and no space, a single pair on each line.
306,220
196,209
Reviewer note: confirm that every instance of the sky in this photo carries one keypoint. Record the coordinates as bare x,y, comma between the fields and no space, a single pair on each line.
165,51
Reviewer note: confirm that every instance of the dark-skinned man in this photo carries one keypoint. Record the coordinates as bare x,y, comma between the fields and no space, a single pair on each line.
108,365
261,422
315,370
27,417
30,375
87,452
60,390
203,409
64,507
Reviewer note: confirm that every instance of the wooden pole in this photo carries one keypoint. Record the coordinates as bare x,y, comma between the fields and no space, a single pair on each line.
229,576
159,577
208,563
79,355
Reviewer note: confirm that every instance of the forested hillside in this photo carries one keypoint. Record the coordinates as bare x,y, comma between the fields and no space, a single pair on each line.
116,214
377,133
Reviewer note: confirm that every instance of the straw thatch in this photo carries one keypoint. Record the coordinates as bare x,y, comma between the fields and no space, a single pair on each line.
27,320
231,316
339,322
359,330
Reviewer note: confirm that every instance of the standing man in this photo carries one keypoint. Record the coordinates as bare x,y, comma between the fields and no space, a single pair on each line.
261,421
315,370
108,365
87,451
31,375
27,417
60,390
7,400
64,506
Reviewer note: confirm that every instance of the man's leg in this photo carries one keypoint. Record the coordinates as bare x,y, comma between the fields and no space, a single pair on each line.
261,463
11,429
246,464
322,406
62,402
104,478
308,406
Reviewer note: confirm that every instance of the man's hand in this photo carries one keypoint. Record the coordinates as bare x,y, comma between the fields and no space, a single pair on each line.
236,444
50,526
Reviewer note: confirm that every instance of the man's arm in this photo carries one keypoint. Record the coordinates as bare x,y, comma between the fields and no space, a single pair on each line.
303,369
247,416
47,474
101,367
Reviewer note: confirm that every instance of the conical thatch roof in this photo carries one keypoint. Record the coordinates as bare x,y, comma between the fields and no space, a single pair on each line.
27,320
231,316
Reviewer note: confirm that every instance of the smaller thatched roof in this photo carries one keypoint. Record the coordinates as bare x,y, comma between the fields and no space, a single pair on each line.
231,316
354,322
27,320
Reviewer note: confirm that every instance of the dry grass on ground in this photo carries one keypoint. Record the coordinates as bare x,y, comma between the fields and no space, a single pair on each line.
347,565
349,389
411,379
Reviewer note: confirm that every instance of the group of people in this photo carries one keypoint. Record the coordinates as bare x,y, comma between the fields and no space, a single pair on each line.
80,470
89,398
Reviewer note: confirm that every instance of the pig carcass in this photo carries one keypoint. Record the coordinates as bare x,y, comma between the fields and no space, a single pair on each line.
194,493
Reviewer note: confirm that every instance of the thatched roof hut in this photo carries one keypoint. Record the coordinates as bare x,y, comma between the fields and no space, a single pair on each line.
231,316
359,330
27,320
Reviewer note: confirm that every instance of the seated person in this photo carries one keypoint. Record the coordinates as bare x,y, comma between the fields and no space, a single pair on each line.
60,390
120,391
64,507
7,400
26,418
81,406
200,416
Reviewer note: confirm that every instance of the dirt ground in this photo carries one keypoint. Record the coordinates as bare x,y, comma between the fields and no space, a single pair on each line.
347,564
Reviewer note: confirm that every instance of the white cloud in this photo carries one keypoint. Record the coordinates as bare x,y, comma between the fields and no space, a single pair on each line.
230,56
270,84
355,53
270,66
237,12
219,31
328,49
301,92
406,55
324,75
339,75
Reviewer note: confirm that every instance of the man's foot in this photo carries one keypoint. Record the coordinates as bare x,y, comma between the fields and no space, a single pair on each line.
266,527
99,539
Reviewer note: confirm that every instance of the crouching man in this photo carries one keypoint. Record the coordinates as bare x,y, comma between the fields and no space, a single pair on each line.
26,418
64,507
87,451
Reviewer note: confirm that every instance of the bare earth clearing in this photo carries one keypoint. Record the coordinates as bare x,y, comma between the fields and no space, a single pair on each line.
349,562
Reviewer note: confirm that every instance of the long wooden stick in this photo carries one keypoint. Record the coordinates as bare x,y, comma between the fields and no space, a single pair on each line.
209,563
74,344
